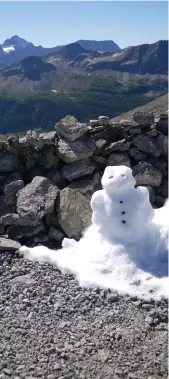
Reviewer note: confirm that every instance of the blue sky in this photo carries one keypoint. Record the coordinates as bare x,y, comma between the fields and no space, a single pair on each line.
56,23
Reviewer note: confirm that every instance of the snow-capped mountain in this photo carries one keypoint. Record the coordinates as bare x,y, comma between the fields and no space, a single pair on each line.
16,48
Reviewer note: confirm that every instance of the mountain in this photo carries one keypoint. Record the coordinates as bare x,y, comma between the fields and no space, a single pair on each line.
142,59
16,48
37,91
105,46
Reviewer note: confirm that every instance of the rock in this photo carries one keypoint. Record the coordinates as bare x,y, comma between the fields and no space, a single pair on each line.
99,159
99,145
159,200
32,139
103,120
88,186
20,231
12,145
48,157
140,156
146,174
121,145
51,220
152,132
151,193
56,177
74,151
135,131
8,163
70,128
8,245
162,125
55,234
143,118
116,159
22,142
113,132
77,169
147,145
48,138
93,123
74,212
11,190
163,189
13,177
163,142
37,199
14,219
130,123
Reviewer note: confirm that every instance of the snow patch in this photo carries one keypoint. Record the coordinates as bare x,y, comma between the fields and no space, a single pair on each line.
8,49
126,247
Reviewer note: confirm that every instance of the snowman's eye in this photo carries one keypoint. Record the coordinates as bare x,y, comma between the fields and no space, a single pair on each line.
123,175
110,177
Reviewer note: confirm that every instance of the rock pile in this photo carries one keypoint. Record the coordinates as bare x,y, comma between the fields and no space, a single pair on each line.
47,179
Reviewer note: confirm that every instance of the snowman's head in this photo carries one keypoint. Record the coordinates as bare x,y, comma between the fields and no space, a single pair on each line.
117,179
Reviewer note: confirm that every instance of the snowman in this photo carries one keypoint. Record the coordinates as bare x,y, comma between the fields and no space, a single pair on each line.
121,211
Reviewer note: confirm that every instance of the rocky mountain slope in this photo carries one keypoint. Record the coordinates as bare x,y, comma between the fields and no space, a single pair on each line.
105,46
157,106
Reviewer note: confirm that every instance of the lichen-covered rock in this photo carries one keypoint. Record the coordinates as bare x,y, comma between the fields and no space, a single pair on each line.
146,174
73,151
70,128
77,169
147,145
8,163
74,212
11,190
116,159
37,199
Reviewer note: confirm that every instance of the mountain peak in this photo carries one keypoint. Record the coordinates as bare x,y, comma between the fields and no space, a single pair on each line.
15,41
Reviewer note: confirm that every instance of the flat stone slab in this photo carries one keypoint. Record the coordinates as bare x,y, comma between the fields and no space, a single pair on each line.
8,245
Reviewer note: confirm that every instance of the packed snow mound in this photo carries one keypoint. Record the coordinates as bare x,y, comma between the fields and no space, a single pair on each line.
126,247
8,49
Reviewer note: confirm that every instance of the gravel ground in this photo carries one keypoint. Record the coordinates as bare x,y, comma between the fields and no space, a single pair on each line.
51,328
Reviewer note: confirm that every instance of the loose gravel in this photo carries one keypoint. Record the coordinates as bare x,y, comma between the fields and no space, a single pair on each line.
51,328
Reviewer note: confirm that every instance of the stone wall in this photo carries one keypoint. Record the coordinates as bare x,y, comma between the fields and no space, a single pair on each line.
47,179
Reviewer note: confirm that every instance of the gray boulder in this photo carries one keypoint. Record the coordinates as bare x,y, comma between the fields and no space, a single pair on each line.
32,139
146,174
8,245
70,128
11,190
88,186
122,145
76,150
143,118
20,231
77,169
74,212
147,145
37,199
117,159
48,138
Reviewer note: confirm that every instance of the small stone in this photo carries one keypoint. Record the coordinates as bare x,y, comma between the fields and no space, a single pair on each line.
8,245
103,120
149,320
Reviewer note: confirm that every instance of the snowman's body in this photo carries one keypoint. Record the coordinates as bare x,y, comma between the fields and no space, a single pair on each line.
121,211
